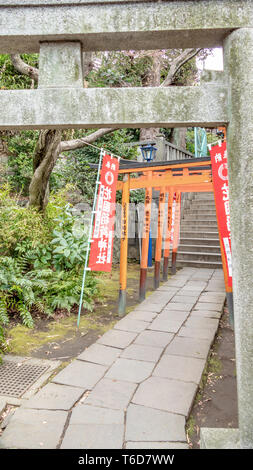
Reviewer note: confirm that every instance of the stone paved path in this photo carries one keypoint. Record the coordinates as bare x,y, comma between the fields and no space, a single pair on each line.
135,386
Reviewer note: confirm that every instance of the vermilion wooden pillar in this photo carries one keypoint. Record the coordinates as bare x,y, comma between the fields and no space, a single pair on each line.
158,250
168,234
176,232
124,244
145,239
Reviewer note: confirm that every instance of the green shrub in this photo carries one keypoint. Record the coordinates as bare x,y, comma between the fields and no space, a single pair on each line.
41,260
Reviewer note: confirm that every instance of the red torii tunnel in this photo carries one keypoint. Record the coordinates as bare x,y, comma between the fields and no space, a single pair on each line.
171,179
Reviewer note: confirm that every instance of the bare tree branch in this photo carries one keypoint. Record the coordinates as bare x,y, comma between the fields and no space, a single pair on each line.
184,57
89,139
24,68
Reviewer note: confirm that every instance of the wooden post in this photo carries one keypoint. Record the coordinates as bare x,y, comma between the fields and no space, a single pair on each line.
176,232
145,240
158,249
124,245
168,234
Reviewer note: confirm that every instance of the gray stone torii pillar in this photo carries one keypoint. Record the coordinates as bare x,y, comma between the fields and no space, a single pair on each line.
238,54
238,60
62,32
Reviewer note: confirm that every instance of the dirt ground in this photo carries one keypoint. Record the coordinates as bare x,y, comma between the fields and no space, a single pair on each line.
58,338
216,401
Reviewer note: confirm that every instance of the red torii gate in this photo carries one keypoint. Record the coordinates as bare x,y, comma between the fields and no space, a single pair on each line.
173,177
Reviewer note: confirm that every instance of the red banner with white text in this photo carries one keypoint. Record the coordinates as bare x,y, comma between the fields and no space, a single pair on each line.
103,231
221,194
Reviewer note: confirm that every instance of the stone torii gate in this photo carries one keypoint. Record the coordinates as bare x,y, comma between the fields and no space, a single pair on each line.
61,29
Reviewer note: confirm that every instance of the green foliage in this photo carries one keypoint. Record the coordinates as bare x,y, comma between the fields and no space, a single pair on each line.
120,69
20,162
190,141
10,78
16,235
137,196
41,261
76,170
16,291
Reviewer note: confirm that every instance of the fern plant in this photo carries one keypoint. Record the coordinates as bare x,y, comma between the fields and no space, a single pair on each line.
41,261
16,292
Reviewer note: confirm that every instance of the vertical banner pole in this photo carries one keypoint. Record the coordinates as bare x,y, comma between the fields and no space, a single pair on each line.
168,234
89,237
158,250
124,244
145,240
176,232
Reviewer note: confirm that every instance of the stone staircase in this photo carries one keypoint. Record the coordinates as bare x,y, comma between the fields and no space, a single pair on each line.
199,239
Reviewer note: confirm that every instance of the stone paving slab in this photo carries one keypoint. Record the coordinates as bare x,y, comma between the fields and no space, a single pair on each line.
156,445
188,347
188,299
215,306
202,333
176,283
215,288
154,338
212,298
94,428
167,325
185,291
180,306
199,322
81,374
149,306
135,386
147,424
170,395
195,286
128,324
143,315
188,369
142,353
177,315
93,436
34,429
130,370
100,354
111,394
206,314
117,338
55,397
163,297
87,414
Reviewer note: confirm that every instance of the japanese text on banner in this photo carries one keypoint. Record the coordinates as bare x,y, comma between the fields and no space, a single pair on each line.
103,232
221,194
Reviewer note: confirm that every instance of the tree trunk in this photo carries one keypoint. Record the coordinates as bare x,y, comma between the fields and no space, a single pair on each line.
179,137
46,153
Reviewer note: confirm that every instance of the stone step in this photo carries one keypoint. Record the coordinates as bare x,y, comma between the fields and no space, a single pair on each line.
204,196
194,205
199,217
204,203
203,256
198,264
192,233
188,227
199,248
201,221
200,241
200,212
